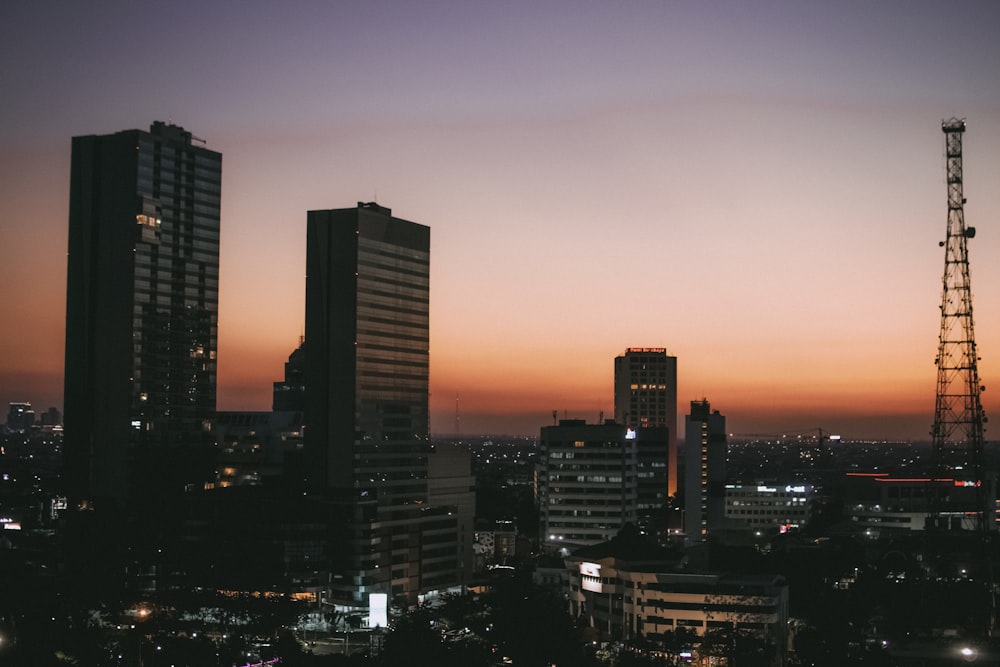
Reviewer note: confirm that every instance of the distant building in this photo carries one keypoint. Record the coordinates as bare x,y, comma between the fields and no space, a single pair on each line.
705,470
587,484
141,314
780,507
20,417
879,504
646,397
51,417
289,394
367,447
624,589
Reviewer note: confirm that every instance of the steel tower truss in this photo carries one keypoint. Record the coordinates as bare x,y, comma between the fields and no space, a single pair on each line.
958,416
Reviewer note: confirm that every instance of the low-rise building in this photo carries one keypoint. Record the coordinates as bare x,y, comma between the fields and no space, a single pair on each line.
879,503
625,589
769,506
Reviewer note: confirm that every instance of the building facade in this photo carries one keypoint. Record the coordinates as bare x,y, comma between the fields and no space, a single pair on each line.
366,444
624,596
780,507
705,470
646,397
367,337
141,314
587,481
880,504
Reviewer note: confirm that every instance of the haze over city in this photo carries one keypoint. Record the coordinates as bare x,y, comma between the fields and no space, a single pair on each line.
757,187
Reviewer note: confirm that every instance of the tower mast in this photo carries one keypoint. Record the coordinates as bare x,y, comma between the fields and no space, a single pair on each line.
958,416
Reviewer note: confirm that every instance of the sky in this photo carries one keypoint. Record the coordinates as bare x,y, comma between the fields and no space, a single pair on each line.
758,187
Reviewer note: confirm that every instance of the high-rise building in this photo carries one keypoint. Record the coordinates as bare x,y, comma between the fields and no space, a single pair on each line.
141,314
367,336
366,405
704,470
646,397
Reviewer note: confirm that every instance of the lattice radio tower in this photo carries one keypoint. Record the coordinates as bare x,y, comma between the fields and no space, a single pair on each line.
958,415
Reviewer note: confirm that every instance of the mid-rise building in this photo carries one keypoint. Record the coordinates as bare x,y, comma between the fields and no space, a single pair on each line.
587,481
704,470
646,397
450,483
141,314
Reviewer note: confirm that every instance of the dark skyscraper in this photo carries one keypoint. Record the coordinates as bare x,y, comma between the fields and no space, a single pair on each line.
141,313
366,399
367,295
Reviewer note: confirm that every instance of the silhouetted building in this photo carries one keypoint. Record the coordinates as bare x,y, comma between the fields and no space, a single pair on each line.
704,470
881,505
141,314
366,405
588,480
450,483
367,336
253,446
51,417
20,417
289,394
646,397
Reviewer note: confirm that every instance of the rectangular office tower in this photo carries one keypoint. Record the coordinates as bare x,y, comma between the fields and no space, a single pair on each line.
705,451
366,407
366,347
646,397
587,481
141,314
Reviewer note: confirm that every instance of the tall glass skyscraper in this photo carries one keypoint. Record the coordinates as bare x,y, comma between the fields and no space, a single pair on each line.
141,314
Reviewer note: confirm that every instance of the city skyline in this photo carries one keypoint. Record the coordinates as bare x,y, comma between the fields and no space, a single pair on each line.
757,189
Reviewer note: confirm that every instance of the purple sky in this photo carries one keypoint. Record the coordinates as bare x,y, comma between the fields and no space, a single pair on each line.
757,186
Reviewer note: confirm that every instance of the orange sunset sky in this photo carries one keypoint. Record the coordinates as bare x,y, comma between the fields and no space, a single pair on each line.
756,186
